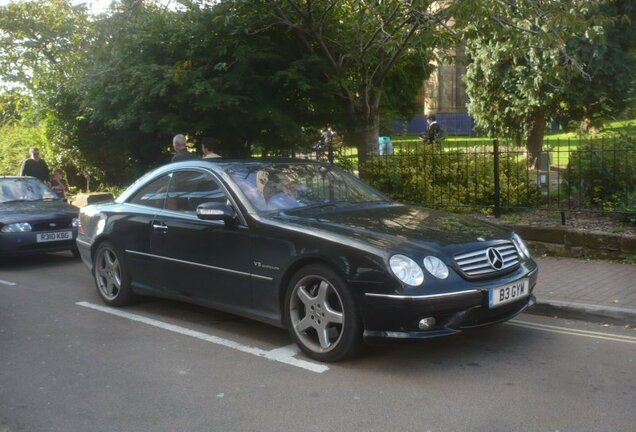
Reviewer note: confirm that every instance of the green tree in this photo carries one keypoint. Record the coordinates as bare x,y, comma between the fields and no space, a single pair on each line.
211,71
40,43
361,43
521,66
14,104
608,85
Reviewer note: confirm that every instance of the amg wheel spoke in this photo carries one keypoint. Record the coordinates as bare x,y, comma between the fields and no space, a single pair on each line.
304,324
110,261
322,292
323,337
101,271
304,296
331,316
111,288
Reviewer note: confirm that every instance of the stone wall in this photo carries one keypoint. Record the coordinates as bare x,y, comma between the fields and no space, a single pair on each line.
577,243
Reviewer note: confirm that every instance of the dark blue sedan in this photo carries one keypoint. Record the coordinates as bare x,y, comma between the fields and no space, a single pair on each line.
33,219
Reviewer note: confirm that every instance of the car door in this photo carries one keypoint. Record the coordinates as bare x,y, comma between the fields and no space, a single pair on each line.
206,261
132,233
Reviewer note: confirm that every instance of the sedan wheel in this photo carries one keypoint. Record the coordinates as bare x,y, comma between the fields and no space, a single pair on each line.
321,314
110,276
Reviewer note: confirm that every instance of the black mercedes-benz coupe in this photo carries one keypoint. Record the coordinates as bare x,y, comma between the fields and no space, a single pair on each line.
33,219
306,246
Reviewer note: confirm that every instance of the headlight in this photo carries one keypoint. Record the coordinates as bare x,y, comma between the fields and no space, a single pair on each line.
436,267
406,270
17,227
75,222
521,245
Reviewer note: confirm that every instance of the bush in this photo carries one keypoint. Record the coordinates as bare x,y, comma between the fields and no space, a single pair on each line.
452,179
604,174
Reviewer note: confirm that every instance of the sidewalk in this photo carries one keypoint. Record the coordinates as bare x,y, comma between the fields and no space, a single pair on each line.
590,290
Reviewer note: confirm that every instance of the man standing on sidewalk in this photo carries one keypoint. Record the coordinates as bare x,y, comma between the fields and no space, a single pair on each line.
35,167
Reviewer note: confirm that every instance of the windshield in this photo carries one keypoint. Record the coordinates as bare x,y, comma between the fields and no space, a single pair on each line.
286,186
24,189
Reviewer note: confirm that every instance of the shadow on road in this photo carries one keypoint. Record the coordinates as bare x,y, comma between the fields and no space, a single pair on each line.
41,261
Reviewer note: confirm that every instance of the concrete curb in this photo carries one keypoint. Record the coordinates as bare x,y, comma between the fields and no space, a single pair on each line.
584,312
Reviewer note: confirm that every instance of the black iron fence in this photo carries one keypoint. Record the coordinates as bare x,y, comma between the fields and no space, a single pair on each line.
494,176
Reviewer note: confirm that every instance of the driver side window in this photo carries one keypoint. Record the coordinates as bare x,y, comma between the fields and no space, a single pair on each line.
153,194
188,189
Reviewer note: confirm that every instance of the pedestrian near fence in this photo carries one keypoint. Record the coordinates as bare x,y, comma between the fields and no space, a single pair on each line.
35,166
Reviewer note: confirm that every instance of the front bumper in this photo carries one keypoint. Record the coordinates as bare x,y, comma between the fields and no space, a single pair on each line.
397,316
25,243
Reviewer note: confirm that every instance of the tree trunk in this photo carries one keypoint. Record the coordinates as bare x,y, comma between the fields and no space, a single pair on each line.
364,134
534,144
589,124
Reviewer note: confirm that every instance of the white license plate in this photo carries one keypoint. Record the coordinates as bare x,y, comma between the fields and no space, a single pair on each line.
509,293
55,236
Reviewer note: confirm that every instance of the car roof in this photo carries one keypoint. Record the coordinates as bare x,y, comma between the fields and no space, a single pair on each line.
223,163
16,177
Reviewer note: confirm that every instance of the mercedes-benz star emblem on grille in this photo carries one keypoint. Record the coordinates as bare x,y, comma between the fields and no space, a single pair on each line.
494,258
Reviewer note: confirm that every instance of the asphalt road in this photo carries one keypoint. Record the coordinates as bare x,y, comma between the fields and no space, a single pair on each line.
69,364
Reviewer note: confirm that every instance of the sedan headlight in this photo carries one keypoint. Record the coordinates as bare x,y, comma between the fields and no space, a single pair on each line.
521,245
17,227
436,267
75,222
406,270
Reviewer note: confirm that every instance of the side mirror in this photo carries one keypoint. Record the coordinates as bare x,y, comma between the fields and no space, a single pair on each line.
216,211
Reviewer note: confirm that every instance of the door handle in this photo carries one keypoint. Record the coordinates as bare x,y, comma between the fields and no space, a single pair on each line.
160,226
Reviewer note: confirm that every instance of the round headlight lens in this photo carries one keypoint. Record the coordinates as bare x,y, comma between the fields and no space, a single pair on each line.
406,270
521,245
17,227
436,267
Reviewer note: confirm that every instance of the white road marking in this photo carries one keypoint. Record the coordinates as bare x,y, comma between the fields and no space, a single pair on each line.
283,355
574,332
4,282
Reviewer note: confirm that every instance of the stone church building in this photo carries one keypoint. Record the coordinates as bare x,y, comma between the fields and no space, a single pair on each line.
444,95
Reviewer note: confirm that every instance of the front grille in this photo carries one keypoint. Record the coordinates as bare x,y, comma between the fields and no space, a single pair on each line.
477,265
58,224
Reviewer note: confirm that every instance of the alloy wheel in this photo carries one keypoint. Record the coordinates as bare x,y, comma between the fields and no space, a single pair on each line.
317,314
108,273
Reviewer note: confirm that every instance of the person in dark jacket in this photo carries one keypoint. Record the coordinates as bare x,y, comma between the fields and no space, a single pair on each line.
35,166
434,131
181,152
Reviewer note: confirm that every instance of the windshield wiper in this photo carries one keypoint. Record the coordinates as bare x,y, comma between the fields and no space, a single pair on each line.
314,206
13,201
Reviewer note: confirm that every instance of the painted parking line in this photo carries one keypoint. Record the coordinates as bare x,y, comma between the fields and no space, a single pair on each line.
4,282
574,332
282,355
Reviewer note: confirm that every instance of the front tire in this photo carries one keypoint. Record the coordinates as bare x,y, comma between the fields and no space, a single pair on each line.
321,315
111,277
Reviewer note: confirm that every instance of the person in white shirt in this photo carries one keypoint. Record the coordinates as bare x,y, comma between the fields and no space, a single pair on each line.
208,152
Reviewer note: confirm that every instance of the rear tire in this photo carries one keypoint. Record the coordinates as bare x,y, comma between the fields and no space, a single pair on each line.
321,316
111,277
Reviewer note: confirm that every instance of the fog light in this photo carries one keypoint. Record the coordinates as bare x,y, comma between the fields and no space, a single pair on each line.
426,323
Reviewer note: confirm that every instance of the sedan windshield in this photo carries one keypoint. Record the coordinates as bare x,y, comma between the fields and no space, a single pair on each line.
287,186
24,189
